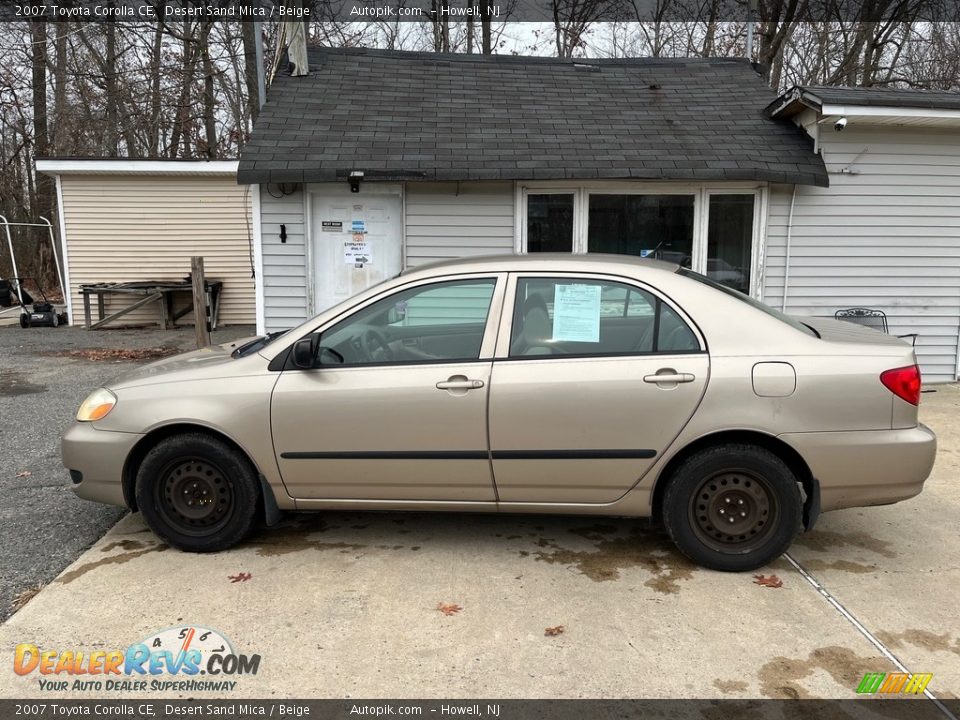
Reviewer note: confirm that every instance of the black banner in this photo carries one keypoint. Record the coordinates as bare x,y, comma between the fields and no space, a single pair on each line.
494,10
115,709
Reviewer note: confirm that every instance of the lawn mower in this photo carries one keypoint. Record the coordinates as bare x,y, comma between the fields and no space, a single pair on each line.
33,312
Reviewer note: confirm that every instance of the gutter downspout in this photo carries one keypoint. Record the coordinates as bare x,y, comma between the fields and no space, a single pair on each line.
786,253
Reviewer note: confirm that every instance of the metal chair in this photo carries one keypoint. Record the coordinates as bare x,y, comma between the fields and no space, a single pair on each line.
874,319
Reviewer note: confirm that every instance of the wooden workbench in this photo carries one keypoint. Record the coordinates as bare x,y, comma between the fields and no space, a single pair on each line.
145,292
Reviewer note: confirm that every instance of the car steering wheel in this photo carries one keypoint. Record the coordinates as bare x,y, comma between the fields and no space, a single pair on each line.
375,347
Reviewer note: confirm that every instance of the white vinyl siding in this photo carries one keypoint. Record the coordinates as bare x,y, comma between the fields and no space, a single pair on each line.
884,235
452,220
284,263
129,227
450,304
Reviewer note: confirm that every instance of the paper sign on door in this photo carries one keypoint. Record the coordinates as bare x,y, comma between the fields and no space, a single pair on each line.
576,313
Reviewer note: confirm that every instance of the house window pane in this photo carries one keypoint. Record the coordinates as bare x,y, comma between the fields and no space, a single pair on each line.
550,223
659,226
730,240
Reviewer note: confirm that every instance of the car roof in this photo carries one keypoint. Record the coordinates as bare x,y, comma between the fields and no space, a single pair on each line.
544,262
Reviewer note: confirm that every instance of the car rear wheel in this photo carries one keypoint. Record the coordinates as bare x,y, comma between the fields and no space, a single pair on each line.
197,493
733,507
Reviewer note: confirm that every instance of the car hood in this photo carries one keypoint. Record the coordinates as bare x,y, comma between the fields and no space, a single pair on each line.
848,332
207,362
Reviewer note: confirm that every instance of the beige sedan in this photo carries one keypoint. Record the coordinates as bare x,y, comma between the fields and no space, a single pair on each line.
595,385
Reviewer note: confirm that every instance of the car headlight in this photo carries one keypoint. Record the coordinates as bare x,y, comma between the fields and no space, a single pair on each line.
97,406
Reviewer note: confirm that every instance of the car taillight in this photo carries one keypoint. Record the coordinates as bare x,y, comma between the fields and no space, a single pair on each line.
904,383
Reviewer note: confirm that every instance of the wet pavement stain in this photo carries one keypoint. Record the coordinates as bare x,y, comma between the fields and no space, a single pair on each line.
816,565
729,686
828,541
780,677
69,577
13,384
123,545
639,548
921,639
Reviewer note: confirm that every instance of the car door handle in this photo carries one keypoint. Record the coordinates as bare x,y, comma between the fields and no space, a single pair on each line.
459,382
668,376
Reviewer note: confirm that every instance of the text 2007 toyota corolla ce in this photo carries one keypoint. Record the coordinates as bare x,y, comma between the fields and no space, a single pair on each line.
597,385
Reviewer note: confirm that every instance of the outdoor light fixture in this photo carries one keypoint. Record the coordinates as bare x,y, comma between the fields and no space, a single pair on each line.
355,178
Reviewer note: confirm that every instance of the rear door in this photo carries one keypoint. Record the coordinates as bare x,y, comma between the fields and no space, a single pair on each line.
593,379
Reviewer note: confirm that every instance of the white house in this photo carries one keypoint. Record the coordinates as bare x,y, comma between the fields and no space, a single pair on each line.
886,233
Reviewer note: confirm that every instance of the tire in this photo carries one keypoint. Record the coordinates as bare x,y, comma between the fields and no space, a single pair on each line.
197,493
745,482
24,321
54,320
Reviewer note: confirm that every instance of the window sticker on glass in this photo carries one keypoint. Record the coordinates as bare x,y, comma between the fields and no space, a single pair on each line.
576,313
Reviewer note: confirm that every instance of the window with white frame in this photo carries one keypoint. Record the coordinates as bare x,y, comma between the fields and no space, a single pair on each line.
712,230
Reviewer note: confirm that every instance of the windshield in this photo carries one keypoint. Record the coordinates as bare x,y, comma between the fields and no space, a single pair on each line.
782,317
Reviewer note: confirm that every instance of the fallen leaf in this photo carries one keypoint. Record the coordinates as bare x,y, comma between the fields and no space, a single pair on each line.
240,577
553,631
24,473
772,581
448,608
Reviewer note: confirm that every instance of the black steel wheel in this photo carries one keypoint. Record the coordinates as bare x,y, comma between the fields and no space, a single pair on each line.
194,496
732,507
197,492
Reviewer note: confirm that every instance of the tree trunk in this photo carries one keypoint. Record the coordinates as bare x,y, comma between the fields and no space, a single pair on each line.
485,31
209,101
111,100
38,38
181,128
248,30
153,149
58,140
470,7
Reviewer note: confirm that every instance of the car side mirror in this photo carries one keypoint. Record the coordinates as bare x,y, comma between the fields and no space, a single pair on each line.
305,352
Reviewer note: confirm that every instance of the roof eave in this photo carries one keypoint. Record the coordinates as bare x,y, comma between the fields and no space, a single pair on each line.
124,166
816,176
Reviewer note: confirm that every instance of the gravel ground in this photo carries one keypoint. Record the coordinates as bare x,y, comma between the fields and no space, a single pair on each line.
43,525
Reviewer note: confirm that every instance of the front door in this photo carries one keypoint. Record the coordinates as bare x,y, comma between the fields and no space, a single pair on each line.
598,380
395,407
356,240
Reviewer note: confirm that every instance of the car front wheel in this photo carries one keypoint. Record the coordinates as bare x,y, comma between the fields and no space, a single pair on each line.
733,507
197,493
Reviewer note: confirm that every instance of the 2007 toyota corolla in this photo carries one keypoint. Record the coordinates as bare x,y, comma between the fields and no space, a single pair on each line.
545,383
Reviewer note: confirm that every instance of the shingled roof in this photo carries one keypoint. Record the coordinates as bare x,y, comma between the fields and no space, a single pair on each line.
426,116
818,95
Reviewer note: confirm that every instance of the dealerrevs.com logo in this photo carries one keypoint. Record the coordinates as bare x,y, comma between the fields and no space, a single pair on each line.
185,659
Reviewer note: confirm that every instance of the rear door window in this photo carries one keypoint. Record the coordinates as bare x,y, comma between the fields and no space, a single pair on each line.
580,316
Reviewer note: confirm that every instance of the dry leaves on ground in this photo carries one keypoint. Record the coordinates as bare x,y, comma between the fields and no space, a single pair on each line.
23,597
554,631
118,354
24,473
771,581
448,608
239,577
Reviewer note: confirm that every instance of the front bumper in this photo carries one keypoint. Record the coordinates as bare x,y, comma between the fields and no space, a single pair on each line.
871,467
95,459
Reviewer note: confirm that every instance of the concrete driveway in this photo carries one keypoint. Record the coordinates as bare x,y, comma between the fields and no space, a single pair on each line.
44,375
365,605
